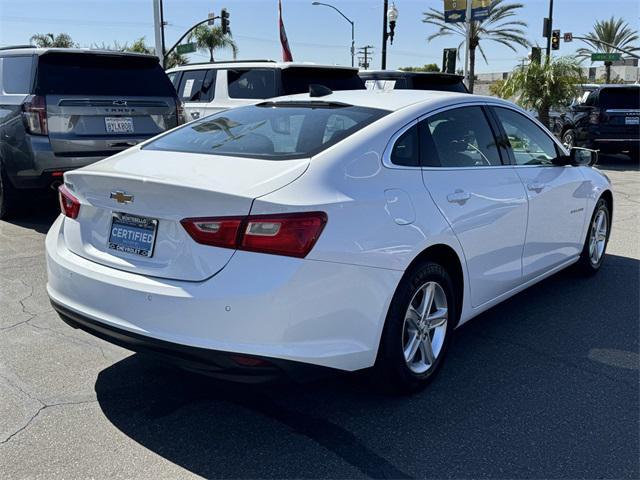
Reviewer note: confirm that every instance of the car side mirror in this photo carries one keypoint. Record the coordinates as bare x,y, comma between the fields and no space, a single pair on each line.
578,157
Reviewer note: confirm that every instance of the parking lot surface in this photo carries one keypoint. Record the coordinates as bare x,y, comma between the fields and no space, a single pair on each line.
544,385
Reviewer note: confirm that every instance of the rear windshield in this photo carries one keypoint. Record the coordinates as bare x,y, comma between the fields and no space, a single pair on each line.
90,74
620,98
297,80
270,131
439,84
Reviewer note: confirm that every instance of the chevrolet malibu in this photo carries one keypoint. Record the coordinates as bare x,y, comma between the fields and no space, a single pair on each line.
338,231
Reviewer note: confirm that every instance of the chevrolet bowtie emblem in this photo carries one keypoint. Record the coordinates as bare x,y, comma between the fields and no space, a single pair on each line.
121,197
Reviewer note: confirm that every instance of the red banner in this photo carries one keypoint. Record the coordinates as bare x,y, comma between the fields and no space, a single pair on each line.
286,51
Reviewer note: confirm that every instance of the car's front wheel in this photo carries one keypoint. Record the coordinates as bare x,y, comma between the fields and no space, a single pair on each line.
417,329
569,138
595,244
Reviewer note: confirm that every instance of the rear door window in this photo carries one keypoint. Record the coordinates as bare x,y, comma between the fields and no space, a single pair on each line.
16,74
197,85
100,74
298,79
620,98
406,149
255,83
270,131
460,137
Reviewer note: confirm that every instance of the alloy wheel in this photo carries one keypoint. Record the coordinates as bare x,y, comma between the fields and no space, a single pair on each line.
425,327
598,236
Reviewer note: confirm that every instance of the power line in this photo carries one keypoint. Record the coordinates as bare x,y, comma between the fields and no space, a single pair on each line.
364,56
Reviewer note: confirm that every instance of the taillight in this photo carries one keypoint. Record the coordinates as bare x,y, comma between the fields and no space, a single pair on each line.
34,113
69,204
181,116
290,234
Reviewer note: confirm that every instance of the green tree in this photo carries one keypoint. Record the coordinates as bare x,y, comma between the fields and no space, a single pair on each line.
49,40
499,26
429,67
542,86
614,31
211,39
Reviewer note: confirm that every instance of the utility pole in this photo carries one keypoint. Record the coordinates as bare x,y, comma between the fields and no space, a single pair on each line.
158,27
364,56
384,34
550,29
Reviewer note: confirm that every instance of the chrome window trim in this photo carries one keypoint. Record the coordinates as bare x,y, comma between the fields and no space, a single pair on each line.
386,155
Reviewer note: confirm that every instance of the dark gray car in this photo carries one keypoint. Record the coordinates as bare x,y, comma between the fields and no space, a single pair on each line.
62,109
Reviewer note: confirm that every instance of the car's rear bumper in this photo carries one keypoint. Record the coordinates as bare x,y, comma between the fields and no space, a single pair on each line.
267,306
221,365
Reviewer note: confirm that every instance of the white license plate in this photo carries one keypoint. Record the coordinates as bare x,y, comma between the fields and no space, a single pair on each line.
132,234
632,121
119,124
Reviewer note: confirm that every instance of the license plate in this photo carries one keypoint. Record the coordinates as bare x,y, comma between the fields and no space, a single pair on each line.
632,120
119,124
133,234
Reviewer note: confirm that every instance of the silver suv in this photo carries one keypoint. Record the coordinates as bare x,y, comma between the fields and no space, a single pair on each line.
62,109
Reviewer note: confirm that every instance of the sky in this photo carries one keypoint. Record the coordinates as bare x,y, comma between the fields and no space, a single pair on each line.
316,33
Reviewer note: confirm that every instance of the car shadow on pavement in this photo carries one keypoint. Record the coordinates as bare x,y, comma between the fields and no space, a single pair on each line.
620,162
37,213
543,385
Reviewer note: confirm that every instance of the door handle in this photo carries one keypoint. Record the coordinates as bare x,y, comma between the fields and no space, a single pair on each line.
460,197
536,187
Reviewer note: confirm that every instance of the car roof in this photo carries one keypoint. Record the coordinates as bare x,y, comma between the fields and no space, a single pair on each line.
27,50
392,100
257,64
382,74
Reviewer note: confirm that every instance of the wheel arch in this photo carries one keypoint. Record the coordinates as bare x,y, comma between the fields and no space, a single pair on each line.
446,256
607,195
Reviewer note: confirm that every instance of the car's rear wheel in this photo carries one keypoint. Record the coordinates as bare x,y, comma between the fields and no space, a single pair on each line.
8,199
569,138
595,245
418,328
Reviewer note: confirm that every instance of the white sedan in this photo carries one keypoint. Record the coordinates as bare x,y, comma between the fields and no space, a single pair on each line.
345,231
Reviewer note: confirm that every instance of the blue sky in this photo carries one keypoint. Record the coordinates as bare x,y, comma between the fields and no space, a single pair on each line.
316,34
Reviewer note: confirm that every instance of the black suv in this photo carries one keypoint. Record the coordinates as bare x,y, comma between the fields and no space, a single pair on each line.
65,108
608,120
399,80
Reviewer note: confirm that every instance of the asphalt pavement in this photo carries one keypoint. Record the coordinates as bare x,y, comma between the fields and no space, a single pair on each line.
545,385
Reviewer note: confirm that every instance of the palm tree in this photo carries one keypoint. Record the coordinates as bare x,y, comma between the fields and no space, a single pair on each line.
48,40
616,32
542,86
498,27
211,39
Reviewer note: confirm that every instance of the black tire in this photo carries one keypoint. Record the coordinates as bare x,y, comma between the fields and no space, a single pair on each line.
587,264
569,138
392,371
8,196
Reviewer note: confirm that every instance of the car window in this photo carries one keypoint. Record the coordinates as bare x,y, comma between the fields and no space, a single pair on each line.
298,79
97,74
530,144
173,78
197,85
460,137
620,98
406,149
269,131
16,74
256,83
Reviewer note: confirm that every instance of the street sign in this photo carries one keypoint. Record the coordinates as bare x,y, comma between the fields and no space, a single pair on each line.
211,17
606,57
568,37
186,48
456,10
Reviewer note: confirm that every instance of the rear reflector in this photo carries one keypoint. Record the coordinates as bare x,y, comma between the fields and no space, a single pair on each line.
291,234
69,205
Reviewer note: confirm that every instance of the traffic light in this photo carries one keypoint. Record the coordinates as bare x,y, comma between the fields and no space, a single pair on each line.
536,55
449,60
555,40
224,20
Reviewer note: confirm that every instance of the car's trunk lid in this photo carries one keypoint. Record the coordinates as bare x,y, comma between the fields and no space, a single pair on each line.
166,187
